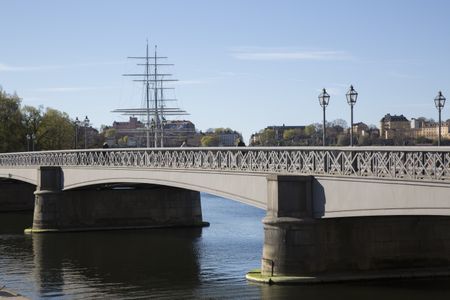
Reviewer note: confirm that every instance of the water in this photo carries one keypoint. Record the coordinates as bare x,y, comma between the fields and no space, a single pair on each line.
206,263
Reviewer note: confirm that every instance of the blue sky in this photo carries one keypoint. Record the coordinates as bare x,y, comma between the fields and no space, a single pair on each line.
241,64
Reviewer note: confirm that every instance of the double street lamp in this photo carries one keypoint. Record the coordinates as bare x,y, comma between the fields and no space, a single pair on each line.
439,101
32,138
351,95
324,99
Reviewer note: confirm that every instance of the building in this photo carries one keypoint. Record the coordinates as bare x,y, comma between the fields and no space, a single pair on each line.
393,126
229,139
177,131
133,133
399,127
360,128
429,129
133,123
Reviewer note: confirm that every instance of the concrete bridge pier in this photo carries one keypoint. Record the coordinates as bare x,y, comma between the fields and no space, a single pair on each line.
301,248
103,209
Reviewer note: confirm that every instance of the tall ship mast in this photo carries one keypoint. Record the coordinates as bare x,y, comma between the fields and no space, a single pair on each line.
155,109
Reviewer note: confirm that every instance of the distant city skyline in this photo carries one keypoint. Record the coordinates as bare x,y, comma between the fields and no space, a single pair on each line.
241,64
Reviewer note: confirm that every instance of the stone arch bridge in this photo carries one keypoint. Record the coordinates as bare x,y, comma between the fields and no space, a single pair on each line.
330,210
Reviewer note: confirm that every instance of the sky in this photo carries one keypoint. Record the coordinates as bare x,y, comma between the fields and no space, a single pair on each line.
243,64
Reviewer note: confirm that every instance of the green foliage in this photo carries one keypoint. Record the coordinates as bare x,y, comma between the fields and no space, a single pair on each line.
221,130
210,141
267,137
310,130
31,118
289,134
12,130
55,131
110,132
293,136
123,141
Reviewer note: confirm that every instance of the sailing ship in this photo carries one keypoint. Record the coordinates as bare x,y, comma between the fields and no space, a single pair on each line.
156,111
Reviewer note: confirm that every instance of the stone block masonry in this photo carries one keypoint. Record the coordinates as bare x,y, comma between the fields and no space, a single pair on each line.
119,208
355,245
300,245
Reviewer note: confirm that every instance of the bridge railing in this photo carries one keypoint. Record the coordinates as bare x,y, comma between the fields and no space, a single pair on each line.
412,163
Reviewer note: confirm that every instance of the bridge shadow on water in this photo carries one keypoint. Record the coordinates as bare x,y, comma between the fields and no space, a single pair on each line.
109,263
138,260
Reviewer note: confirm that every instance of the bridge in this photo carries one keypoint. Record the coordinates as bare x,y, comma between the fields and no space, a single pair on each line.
330,210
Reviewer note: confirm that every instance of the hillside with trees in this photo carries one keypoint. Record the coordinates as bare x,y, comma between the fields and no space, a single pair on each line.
25,128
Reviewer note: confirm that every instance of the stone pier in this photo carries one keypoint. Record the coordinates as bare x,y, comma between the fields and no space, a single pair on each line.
301,248
112,208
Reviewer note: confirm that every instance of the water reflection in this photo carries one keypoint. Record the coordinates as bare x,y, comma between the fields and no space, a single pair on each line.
140,260
208,263
431,288
15,222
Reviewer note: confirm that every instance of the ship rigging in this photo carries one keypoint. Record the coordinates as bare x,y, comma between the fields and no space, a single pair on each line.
155,109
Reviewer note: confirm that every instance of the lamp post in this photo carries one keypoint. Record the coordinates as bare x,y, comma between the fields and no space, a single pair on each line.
163,123
324,99
33,141
351,95
153,127
31,138
77,124
28,142
86,124
439,101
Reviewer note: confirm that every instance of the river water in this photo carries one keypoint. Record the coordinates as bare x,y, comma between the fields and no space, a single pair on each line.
205,263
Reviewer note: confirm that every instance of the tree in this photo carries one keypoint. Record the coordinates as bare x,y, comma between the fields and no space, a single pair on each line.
289,134
222,130
343,139
310,130
31,118
210,141
364,140
267,137
55,131
123,141
421,140
12,130
339,122
293,136
110,132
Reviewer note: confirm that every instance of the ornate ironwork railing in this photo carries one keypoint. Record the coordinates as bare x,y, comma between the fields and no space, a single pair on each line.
412,163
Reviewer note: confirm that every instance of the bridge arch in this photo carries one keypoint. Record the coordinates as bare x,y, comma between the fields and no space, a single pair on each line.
25,174
250,190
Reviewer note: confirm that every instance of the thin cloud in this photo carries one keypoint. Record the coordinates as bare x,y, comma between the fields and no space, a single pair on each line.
72,89
192,82
412,105
289,55
12,68
9,68
403,75
33,99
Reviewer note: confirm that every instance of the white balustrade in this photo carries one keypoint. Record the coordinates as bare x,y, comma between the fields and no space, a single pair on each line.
410,163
